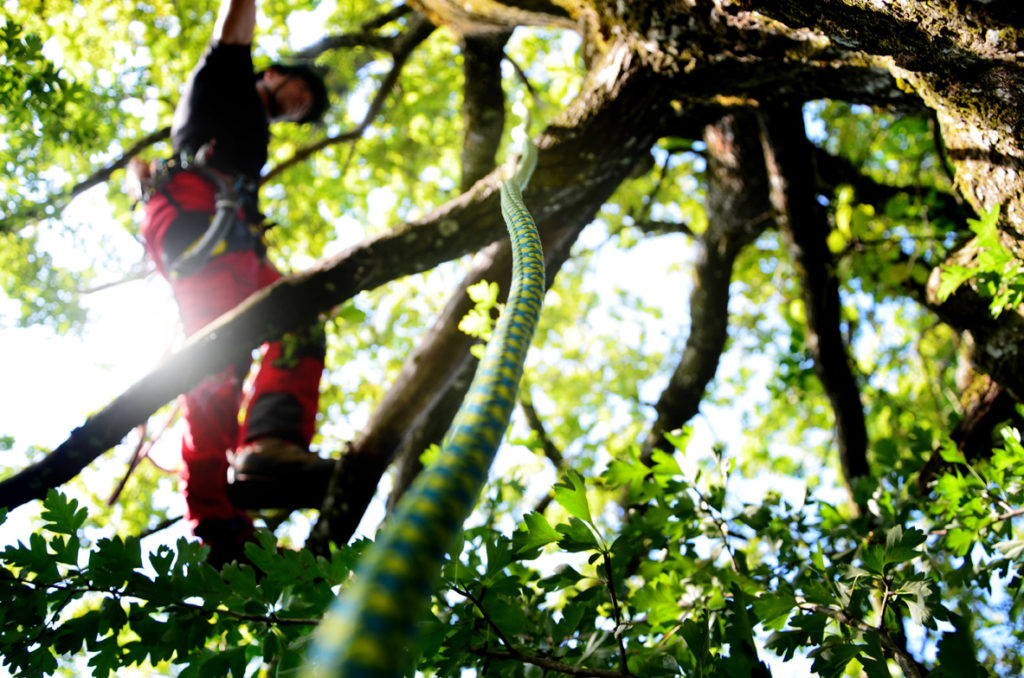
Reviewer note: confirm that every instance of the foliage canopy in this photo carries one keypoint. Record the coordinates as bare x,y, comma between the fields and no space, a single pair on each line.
813,466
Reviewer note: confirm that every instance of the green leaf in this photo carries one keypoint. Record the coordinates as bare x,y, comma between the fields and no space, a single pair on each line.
901,546
957,656
533,533
564,577
679,439
960,540
873,559
1011,549
508,617
951,454
805,630
571,494
61,514
873,658
499,553
483,293
756,517
951,278
698,638
774,609
914,595
577,536
665,464
351,314
625,473
830,659
818,558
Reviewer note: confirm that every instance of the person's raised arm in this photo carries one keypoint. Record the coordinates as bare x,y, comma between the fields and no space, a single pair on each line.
236,22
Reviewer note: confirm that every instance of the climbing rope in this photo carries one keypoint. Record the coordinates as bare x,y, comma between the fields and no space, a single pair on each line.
371,630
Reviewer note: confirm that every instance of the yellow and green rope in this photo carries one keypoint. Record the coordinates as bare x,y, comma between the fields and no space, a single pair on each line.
371,630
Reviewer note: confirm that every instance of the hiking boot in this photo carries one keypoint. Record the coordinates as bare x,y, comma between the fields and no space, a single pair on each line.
271,473
226,538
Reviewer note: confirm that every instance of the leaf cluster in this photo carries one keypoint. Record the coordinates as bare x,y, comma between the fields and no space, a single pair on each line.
123,607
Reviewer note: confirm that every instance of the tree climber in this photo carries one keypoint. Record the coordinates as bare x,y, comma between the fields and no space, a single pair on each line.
202,229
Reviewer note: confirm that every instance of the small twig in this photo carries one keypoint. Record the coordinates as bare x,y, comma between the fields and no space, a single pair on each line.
159,527
902,656
419,30
999,518
387,17
241,616
551,450
616,613
465,593
521,74
652,226
364,37
886,596
142,451
140,274
551,664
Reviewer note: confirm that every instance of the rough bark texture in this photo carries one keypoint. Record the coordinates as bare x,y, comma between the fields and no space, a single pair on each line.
483,104
963,60
996,347
802,220
738,211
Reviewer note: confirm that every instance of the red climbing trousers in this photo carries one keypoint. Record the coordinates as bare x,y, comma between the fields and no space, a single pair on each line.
284,396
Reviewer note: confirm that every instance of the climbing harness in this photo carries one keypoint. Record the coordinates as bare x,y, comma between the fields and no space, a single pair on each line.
235,223
370,630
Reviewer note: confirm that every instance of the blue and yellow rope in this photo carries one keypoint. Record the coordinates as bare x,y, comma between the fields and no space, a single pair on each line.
370,631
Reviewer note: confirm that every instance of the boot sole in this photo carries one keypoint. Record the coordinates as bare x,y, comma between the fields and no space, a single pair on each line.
281,485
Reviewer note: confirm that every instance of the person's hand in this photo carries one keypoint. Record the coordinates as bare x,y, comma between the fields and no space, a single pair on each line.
138,174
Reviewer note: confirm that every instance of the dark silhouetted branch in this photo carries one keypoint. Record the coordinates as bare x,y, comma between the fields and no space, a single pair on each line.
802,220
483,104
738,211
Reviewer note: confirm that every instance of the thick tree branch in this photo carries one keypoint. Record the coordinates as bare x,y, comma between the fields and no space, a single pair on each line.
803,224
483,104
738,211
936,47
480,18
988,405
